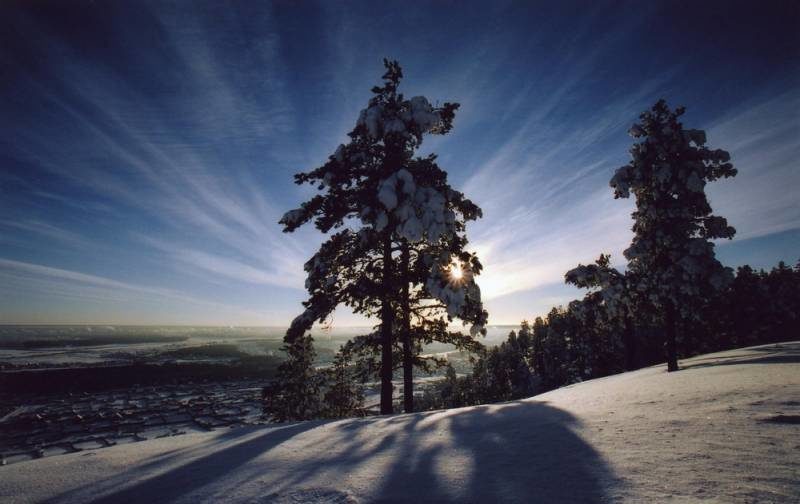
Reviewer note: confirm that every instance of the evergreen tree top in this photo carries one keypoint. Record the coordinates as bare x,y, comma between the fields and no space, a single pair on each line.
668,172
379,158
373,191
672,256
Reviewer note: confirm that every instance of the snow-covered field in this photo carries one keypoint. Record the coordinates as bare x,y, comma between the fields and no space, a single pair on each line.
726,428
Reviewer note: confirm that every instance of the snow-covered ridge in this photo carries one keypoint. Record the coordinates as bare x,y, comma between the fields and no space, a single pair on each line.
722,429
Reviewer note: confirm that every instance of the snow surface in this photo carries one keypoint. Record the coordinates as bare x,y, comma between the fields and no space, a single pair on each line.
723,429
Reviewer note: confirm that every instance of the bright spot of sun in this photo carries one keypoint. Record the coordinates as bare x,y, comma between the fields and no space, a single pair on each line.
457,274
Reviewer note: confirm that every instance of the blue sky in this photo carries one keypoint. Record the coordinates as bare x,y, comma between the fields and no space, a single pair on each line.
147,148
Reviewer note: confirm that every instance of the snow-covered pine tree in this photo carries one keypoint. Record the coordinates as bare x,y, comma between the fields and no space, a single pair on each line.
295,394
611,302
427,220
672,256
370,179
436,273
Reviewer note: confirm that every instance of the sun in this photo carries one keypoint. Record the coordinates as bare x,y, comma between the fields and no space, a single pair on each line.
456,273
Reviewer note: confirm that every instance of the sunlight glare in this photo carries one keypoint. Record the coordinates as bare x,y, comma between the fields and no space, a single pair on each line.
456,273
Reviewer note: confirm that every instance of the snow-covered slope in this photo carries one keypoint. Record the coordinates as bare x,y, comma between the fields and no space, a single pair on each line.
723,429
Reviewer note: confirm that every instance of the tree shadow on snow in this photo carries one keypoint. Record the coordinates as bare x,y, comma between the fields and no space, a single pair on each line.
522,451
173,483
780,353
525,451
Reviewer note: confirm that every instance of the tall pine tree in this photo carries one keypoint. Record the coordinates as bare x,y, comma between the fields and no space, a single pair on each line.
672,255
384,207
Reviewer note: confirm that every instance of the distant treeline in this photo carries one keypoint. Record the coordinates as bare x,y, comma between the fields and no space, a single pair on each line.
567,346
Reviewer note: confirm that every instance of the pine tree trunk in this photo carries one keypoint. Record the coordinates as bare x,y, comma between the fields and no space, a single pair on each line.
387,321
629,340
670,329
408,360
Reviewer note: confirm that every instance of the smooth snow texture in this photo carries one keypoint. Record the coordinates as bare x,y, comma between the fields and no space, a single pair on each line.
722,429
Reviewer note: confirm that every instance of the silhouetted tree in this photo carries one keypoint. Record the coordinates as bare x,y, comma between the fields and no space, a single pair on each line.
783,288
741,312
672,256
388,204
295,394
501,373
344,396
428,221
438,280
609,307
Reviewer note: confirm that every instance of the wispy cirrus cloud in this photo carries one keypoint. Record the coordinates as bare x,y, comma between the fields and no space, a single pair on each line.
169,133
764,141
547,203
538,241
224,267
144,164
534,248
48,231
70,283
